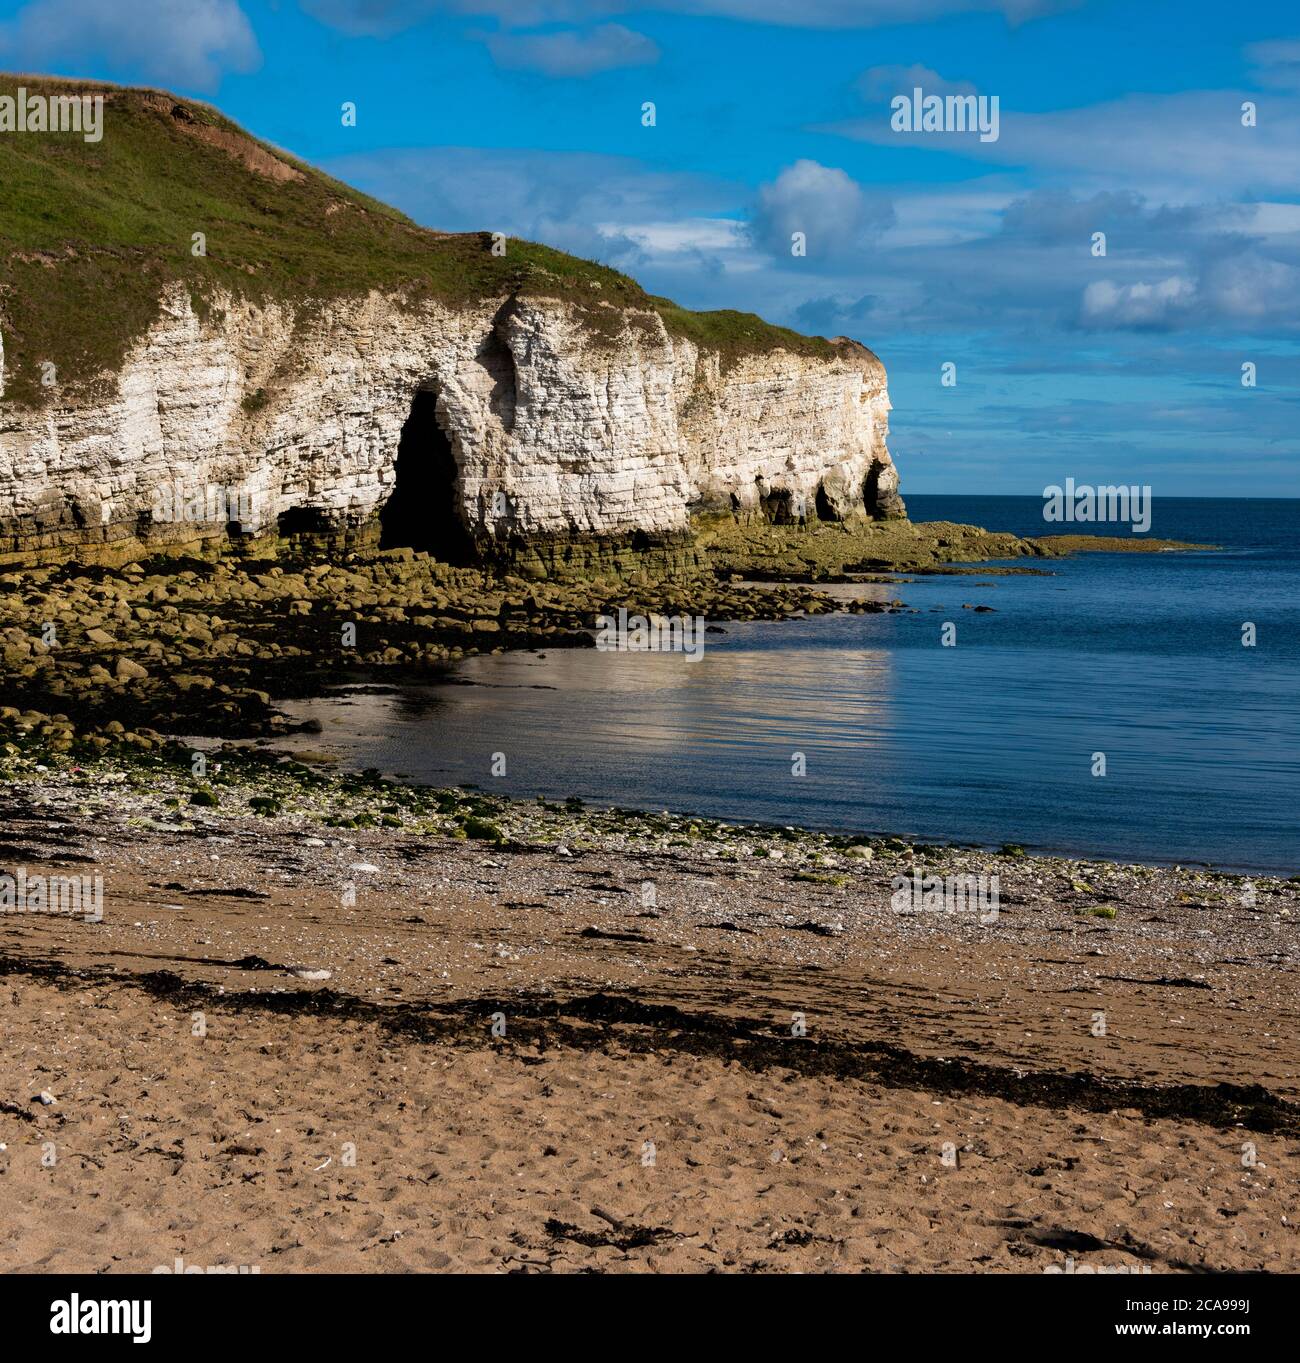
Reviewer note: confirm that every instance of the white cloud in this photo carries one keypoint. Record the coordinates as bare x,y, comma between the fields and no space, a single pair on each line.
884,82
1251,289
384,17
830,208
609,208
1270,219
1163,146
686,234
373,18
1158,305
187,43
1276,62
976,255
864,13
947,217
1138,304
573,52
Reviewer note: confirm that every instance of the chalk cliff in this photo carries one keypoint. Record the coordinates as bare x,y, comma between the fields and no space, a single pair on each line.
518,412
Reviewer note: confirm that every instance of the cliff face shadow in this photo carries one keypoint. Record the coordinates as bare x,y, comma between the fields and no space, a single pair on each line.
423,510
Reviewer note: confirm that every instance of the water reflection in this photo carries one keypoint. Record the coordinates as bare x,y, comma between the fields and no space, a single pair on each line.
981,744
572,716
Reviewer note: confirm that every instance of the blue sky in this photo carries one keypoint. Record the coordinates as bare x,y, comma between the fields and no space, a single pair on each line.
524,116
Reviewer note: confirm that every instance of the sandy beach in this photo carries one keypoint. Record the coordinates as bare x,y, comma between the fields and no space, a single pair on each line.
604,1041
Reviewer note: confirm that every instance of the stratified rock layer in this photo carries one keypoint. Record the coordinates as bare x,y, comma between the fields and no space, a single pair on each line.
542,428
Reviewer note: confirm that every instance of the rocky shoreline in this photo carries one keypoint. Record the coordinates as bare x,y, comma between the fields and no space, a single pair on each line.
94,656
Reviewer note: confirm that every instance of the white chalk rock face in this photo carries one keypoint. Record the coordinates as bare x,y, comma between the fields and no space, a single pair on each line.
520,420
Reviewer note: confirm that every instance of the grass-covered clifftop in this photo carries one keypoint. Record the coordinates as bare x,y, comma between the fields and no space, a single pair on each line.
91,233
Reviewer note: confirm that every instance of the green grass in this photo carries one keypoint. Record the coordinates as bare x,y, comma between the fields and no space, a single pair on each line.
736,333
91,234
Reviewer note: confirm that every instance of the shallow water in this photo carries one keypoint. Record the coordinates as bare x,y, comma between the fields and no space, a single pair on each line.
1138,657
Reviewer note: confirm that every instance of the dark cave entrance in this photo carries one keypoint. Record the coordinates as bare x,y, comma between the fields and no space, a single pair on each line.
303,520
422,512
871,490
778,506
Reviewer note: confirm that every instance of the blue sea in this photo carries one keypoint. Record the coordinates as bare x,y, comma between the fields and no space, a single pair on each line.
1135,657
